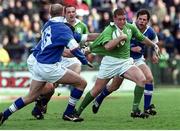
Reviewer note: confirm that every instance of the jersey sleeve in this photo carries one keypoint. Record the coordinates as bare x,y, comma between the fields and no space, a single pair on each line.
85,28
66,35
102,39
136,33
153,36
77,36
106,35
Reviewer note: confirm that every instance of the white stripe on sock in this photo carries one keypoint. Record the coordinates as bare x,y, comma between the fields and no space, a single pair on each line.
13,108
146,92
72,101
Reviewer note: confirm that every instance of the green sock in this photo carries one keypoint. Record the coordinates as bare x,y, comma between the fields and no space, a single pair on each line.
138,93
88,98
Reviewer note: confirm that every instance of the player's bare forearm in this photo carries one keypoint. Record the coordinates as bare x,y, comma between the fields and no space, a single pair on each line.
92,36
115,42
67,53
148,42
136,49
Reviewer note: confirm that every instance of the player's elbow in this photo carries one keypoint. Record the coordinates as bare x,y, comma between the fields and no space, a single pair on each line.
107,47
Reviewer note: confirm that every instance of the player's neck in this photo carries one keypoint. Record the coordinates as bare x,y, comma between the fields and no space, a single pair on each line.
142,30
72,22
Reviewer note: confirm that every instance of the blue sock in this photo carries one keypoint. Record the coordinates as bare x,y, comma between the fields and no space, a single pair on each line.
44,101
17,105
147,95
75,96
101,96
37,110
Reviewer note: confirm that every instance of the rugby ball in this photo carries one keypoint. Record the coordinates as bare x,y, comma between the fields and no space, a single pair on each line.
116,33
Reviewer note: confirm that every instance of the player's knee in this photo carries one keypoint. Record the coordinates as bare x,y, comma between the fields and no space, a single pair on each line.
142,82
84,83
81,84
149,79
50,86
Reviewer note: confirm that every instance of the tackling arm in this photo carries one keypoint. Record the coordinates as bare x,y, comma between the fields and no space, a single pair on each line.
75,50
148,42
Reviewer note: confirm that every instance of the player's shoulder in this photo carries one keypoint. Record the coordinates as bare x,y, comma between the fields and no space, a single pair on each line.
110,27
78,21
150,30
130,25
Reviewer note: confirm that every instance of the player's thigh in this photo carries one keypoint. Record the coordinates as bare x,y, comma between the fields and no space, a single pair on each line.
135,74
71,63
72,78
147,72
99,85
76,67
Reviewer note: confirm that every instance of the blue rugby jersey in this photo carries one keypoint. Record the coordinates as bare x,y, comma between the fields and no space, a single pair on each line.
149,33
77,37
55,36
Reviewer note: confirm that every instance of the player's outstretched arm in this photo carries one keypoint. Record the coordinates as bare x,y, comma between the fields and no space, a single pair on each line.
76,51
148,42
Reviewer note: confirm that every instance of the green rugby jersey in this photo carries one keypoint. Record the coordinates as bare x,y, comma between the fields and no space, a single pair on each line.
121,51
80,27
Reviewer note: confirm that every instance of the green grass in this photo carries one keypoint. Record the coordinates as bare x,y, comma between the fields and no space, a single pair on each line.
114,114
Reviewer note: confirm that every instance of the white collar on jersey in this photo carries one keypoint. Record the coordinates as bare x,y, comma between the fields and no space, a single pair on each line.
113,24
57,19
76,21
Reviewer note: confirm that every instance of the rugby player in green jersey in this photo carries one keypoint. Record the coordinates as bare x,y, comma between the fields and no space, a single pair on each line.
116,62
137,53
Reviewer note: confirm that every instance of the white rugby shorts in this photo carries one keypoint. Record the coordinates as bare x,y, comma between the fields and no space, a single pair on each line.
30,62
139,61
111,66
48,72
67,62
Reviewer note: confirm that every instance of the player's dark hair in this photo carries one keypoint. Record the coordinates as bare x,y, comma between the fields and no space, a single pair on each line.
67,6
143,12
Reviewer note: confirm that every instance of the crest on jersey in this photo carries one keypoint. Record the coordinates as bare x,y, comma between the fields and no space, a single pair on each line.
129,31
79,30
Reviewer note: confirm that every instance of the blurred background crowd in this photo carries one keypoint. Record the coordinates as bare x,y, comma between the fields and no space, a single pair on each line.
21,22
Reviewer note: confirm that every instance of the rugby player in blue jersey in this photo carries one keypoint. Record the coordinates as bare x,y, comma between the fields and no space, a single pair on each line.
68,60
48,66
41,102
137,51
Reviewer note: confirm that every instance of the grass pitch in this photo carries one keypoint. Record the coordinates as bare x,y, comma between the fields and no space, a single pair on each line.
114,114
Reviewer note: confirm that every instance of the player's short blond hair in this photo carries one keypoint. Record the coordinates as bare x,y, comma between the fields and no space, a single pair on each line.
56,10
